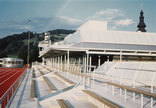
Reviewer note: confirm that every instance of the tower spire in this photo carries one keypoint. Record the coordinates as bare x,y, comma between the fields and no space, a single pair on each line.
141,26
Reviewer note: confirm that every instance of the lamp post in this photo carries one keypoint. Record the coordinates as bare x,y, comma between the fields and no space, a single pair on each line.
28,43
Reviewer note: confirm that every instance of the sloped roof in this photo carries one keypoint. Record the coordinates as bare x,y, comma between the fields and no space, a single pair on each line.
92,32
93,35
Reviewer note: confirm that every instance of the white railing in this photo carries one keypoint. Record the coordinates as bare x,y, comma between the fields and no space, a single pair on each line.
105,67
135,74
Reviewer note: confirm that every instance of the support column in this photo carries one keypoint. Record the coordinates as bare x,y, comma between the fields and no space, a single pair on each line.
99,60
125,94
133,96
65,62
151,102
58,63
120,56
79,60
68,60
61,63
43,60
87,61
142,101
107,58
68,57
90,63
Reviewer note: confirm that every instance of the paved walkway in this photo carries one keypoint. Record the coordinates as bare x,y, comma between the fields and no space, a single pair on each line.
22,98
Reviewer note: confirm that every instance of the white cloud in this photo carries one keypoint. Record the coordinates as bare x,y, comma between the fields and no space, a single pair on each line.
107,15
110,12
124,22
69,20
115,18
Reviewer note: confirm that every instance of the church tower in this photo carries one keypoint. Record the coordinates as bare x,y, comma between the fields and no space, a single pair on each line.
141,26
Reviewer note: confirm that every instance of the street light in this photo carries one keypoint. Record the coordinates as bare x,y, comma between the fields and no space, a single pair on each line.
28,42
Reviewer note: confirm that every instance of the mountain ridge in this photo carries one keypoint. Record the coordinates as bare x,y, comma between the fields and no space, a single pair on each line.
16,45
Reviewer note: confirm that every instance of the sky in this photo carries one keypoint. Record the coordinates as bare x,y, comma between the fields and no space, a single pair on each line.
121,15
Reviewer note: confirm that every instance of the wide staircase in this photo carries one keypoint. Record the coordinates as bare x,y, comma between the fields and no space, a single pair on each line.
54,88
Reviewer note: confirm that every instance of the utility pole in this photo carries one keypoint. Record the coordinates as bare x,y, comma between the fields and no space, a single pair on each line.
29,21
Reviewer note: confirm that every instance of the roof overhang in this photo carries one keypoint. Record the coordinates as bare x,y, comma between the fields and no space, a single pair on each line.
54,50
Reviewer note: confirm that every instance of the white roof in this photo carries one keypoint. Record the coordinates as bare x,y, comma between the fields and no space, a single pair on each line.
94,26
96,31
93,35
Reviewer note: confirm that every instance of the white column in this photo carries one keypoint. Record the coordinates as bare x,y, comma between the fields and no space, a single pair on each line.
90,63
142,103
120,56
61,63
151,102
107,58
87,61
68,60
58,63
68,57
43,60
133,96
99,60
79,60
125,94
65,62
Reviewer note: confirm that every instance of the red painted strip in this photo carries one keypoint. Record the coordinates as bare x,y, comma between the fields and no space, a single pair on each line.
7,81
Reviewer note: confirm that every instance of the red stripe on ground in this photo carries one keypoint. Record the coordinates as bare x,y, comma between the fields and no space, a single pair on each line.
7,80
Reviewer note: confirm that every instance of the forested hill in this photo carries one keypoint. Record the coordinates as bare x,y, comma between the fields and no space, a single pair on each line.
16,45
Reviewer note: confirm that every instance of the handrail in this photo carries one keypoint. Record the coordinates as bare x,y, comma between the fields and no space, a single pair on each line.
132,89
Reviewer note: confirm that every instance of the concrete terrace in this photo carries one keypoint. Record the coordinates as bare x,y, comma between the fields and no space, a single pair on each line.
47,87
